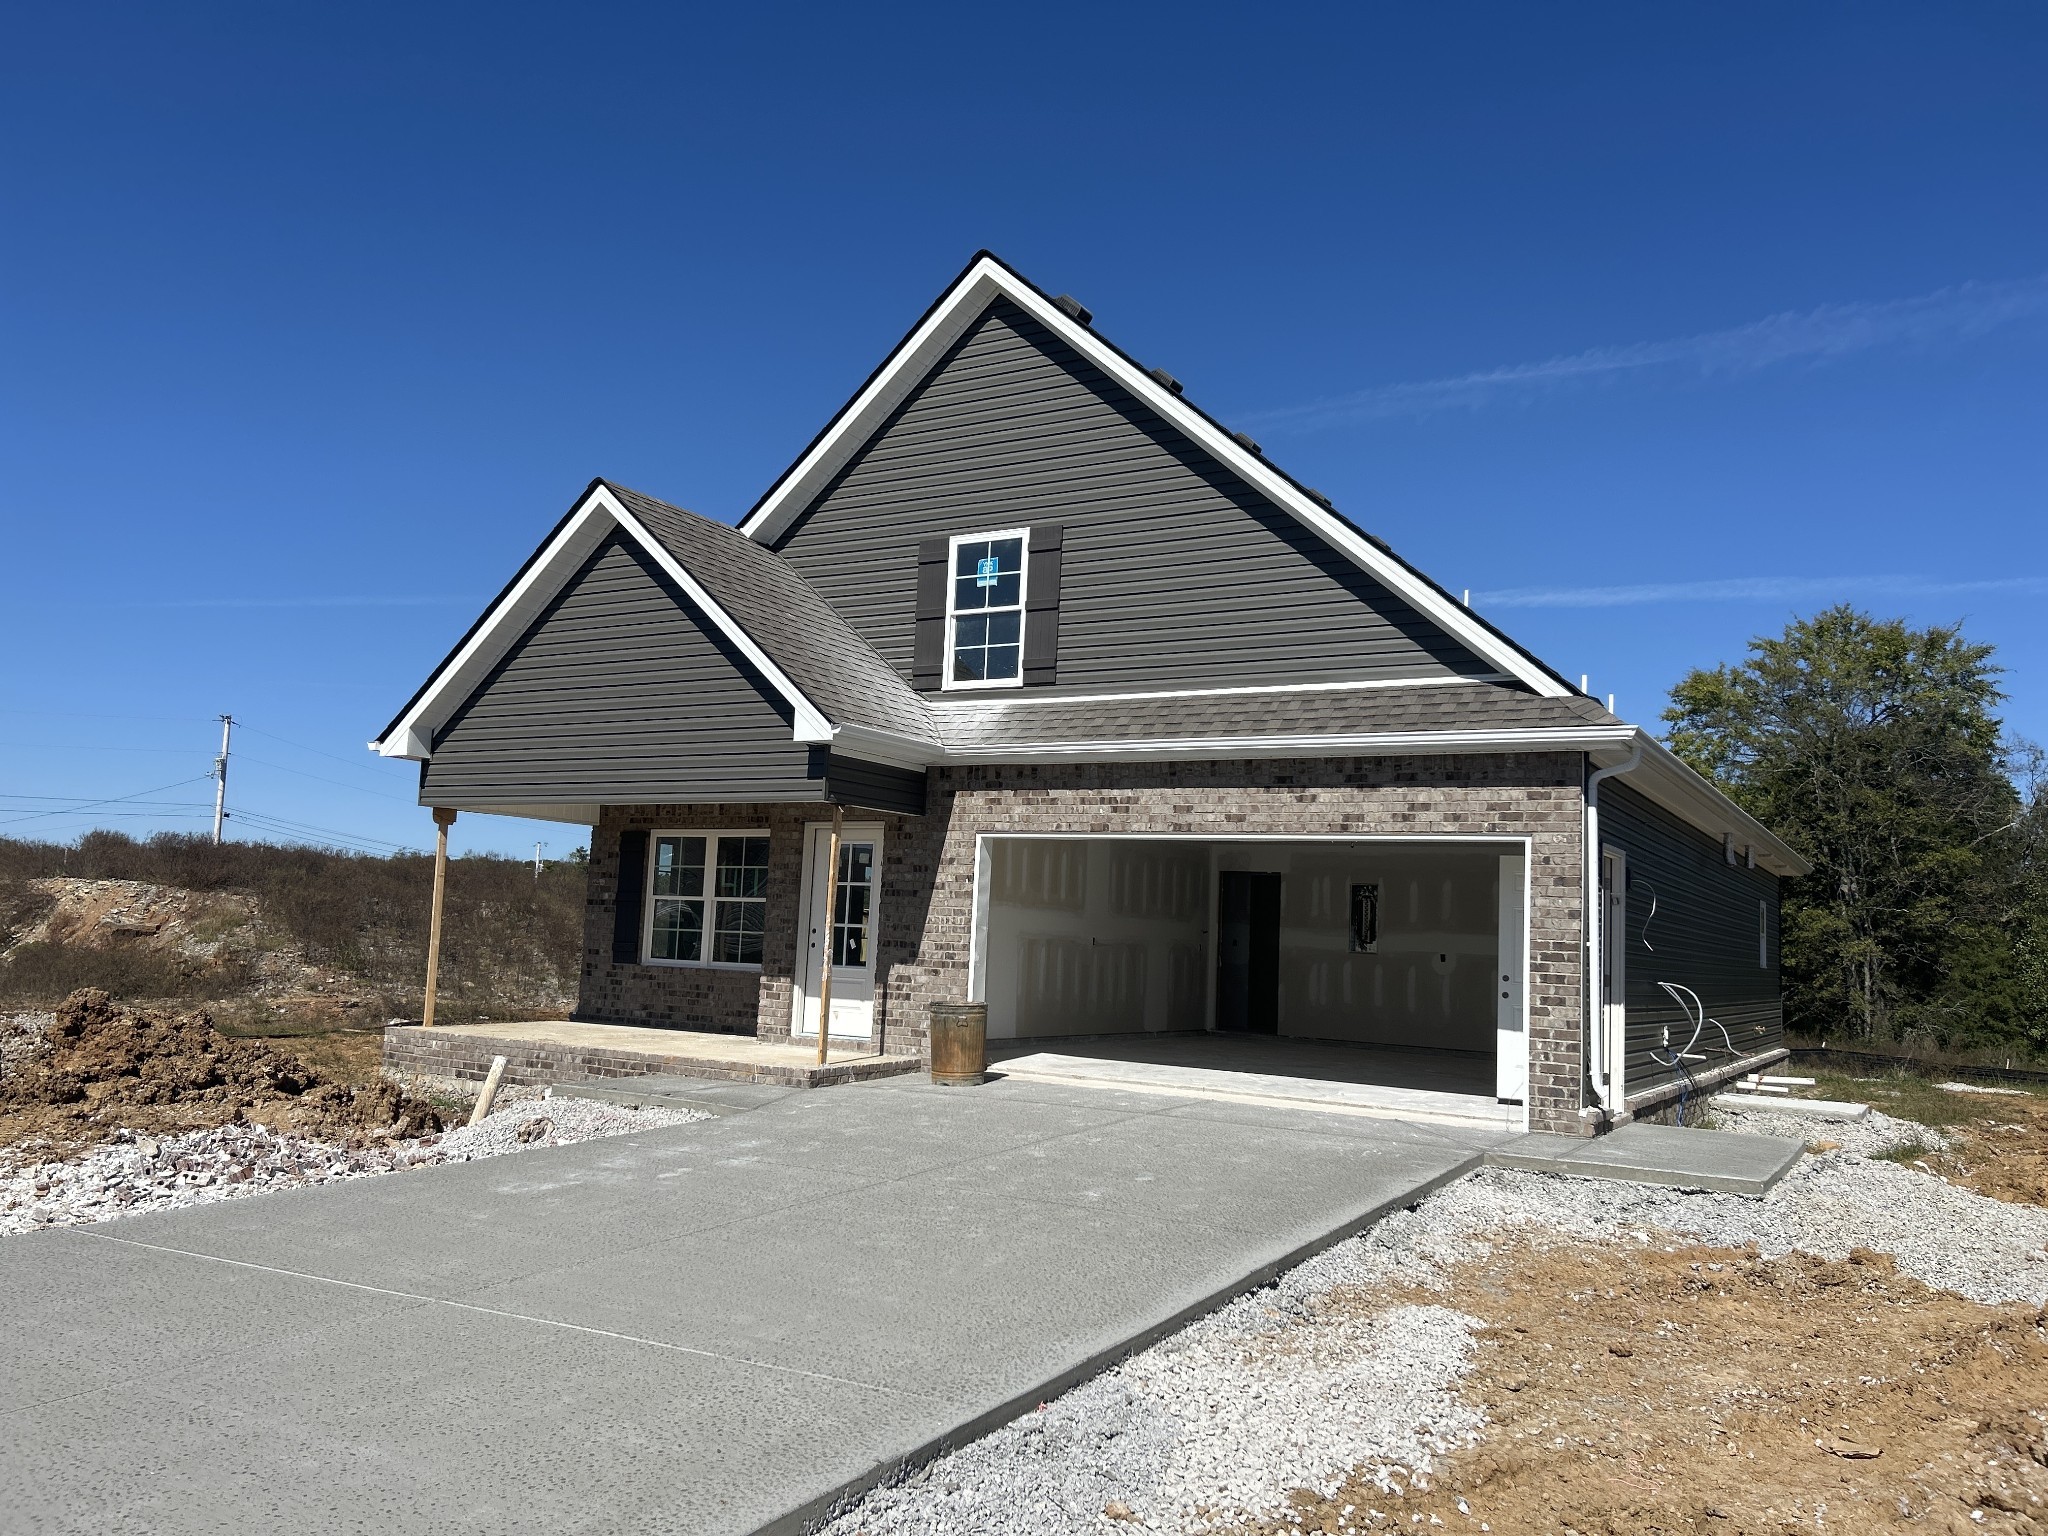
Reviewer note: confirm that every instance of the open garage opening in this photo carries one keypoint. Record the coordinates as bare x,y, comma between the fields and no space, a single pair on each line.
1390,971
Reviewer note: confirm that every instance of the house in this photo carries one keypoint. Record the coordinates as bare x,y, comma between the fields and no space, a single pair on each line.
1134,737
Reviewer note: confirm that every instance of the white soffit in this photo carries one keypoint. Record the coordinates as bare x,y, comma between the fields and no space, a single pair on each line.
572,544
982,283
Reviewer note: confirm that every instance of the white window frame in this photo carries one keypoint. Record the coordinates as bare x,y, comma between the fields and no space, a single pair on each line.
1023,537
711,835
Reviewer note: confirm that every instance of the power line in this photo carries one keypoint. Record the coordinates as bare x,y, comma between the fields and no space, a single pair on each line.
112,800
353,762
284,824
381,794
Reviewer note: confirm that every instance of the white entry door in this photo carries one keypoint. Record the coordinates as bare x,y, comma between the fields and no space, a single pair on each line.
850,933
1511,1020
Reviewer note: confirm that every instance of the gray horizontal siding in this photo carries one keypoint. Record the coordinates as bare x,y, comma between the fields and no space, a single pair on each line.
870,786
620,692
1701,935
1174,571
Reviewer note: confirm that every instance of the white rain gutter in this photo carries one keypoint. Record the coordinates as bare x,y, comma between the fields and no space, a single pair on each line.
1595,909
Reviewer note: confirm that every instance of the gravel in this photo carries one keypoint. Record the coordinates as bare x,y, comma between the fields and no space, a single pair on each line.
133,1173
1875,1135
1283,1389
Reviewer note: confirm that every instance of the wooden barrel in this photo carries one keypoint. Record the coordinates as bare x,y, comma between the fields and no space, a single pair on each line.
959,1034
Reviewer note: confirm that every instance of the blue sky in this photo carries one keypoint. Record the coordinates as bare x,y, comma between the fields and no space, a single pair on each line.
1652,325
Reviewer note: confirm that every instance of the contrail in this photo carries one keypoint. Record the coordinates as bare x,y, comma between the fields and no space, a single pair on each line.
1832,331
1752,589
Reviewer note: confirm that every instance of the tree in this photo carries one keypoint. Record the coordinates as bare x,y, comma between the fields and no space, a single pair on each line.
1873,748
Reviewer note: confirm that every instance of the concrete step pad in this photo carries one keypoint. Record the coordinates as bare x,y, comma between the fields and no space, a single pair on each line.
1724,1161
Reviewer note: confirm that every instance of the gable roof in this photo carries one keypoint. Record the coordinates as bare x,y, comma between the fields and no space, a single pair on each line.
987,279
827,674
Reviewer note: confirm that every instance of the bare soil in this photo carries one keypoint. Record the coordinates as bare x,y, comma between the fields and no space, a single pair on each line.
2000,1140
1640,1392
104,1066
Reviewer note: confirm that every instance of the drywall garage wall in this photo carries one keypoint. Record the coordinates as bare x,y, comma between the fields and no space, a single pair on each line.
1429,980
1092,937
1108,936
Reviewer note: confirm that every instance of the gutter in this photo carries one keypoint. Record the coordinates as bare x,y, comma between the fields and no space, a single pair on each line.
1595,909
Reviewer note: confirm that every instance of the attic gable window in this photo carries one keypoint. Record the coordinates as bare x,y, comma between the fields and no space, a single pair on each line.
985,611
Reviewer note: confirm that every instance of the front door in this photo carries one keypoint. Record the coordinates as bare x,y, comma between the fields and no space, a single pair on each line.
851,929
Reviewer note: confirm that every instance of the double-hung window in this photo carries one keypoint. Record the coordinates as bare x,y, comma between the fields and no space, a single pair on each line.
707,898
985,611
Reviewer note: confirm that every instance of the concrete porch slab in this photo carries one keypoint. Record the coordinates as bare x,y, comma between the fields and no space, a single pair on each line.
548,1051
1670,1155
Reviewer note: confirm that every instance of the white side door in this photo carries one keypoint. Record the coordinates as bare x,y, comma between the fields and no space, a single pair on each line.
852,930
1510,989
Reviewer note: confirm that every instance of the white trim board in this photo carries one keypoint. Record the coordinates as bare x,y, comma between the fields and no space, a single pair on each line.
516,609
986,280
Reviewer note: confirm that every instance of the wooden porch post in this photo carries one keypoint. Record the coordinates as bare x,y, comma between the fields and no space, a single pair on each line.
831,918
444,818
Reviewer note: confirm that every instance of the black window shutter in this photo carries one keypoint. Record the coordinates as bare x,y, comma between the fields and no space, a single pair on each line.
632,893
1042,607
928,655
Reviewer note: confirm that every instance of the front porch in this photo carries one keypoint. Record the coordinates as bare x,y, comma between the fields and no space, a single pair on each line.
550,1051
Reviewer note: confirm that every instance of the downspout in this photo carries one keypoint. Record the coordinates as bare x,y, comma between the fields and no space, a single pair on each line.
1596,915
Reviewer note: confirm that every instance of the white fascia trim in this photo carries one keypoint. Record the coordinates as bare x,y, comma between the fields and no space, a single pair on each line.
570,547
940,706
1671,782
1318,744
872,746
984,281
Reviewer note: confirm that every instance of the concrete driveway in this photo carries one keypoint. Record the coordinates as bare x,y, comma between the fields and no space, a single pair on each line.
721,1327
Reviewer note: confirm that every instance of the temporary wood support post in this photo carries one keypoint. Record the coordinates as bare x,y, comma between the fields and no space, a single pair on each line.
831,919
444,818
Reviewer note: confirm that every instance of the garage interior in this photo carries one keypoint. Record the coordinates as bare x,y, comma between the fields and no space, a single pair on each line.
1380,975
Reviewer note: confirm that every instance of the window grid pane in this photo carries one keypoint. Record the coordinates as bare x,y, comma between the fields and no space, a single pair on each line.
708,909
853,908
988,617
678,930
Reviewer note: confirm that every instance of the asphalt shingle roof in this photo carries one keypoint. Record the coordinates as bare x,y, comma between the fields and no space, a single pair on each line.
966,724
788,618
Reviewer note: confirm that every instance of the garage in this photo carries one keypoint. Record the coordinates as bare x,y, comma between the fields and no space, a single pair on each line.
1374,974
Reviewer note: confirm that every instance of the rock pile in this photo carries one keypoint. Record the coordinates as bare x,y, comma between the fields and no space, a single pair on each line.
134,1172
99,1066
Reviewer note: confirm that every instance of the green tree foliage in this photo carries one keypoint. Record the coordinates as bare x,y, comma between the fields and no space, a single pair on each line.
1874,749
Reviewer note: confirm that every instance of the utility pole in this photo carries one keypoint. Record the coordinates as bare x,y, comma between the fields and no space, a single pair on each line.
536,859
220,778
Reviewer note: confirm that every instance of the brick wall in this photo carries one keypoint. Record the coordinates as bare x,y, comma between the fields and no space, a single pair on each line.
928,878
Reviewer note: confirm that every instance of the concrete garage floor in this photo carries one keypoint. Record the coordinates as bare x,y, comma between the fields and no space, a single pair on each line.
1453,1087
714,1328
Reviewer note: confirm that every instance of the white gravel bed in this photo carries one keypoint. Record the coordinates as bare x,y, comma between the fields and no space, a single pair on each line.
1875,1135
136,1173
21,1035
1282,1390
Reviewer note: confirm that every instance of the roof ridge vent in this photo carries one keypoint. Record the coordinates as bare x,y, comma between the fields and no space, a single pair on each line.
1165,378
1244,440
1074,307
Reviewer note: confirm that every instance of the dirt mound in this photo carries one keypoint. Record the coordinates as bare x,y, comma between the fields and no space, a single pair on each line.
103,1066
1646,1393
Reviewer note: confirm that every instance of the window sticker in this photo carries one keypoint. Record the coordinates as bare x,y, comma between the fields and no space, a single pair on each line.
985,571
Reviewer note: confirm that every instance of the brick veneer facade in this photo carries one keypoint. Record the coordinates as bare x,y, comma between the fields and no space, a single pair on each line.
928,865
